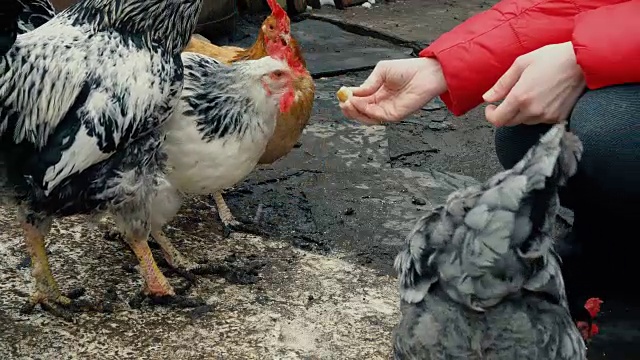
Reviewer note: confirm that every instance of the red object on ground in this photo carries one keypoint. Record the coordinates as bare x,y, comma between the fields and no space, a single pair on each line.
593,307
605,36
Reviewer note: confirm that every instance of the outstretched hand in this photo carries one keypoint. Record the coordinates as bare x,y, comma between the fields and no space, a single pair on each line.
540,87
394,90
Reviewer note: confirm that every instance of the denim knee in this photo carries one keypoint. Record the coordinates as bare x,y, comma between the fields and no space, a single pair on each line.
607,121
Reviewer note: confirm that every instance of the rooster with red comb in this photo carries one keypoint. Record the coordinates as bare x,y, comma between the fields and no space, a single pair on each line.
274,39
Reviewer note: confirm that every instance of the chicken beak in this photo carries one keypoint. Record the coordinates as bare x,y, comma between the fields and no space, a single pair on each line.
286,38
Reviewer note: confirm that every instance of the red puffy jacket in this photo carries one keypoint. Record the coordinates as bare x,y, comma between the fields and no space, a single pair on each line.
605,36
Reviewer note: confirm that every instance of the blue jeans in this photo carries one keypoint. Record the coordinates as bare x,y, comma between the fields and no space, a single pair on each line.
605,192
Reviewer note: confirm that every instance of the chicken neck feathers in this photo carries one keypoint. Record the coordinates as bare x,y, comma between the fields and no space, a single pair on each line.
221,99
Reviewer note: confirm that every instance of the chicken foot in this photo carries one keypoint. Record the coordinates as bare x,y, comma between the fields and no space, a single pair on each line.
189,269
47,293
229,221
180,263
157,287
156,284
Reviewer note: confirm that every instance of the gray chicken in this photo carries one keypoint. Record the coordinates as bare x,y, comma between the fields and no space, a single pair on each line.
82,101
479,278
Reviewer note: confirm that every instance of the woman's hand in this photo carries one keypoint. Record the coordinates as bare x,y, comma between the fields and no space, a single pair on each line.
540,87
394,90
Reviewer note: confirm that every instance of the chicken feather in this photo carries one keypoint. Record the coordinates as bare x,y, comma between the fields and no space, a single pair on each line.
35,13
274,30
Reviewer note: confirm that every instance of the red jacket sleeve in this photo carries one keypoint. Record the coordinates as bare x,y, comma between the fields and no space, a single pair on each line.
607,44
477,52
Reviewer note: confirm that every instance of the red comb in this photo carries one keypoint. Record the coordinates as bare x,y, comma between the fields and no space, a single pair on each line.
277,10
593,306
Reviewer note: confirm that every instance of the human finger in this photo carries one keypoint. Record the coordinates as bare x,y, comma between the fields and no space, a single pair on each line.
352,113
373,82
502,114
371,110
504,85
522,118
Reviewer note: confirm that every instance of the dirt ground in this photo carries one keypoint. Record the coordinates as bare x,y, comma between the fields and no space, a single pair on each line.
469,148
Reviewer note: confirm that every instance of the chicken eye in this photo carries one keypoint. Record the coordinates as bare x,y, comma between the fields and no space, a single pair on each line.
278,74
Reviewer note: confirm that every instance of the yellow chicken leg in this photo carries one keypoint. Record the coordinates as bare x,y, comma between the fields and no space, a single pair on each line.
224,212
156,284
47,293
174,258
229,221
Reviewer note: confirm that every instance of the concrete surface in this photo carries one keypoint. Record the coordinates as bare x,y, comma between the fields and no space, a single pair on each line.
414,20
301,306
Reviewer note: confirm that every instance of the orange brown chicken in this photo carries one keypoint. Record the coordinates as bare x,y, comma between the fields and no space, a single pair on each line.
274,32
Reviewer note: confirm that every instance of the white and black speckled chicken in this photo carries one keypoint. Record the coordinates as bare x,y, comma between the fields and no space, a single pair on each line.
221,126
82,101
479,278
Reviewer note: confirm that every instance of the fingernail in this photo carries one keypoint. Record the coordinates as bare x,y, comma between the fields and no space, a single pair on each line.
488,94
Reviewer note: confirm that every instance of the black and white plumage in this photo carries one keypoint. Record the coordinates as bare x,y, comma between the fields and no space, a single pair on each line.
34,14
221,126
82,101
479,278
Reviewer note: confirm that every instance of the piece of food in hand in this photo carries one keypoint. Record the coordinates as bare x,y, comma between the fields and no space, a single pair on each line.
344,94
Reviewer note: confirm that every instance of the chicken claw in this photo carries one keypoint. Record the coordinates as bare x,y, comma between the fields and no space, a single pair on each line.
229,221
180,263
227,218
156,284
157,288
47,293
59,305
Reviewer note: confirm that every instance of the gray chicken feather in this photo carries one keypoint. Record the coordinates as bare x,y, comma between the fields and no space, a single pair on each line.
479,278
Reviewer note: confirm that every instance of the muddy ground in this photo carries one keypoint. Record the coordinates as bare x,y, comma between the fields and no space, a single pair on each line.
319,283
